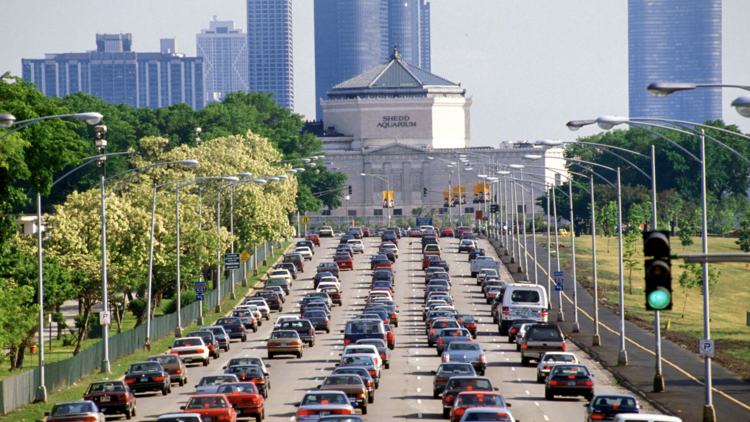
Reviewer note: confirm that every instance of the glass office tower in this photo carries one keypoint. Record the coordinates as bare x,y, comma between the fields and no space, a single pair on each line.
269,40
675,41
224,52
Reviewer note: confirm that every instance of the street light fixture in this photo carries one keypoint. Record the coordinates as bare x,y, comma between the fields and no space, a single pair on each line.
742,105
608,122
7,120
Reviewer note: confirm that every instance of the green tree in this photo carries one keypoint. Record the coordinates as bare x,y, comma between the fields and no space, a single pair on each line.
628,255
606,220
691,276
744,235
685,234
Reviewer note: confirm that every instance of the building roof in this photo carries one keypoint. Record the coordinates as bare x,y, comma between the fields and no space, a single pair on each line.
393,75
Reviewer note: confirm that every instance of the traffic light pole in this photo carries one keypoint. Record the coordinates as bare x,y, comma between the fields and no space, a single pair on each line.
658,377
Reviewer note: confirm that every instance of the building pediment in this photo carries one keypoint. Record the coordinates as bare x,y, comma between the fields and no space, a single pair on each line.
395,148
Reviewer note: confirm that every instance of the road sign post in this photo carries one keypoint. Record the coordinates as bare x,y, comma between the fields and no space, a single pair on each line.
244,257
707,349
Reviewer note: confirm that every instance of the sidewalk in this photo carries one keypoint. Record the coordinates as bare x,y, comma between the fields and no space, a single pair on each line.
683,371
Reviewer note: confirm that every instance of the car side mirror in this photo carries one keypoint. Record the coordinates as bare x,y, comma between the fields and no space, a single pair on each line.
496,389
342,331
320,385
46,413
268,365
223,367
433,372
586,405
336,364
182,407
296,404
592,375
196,385
508,405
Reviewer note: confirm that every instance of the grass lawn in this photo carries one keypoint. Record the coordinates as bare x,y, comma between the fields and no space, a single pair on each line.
730,299
36,411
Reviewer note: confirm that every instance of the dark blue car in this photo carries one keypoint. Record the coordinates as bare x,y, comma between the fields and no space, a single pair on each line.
234,327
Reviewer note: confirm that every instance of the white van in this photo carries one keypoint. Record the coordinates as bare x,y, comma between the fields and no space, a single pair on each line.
523,301
642,417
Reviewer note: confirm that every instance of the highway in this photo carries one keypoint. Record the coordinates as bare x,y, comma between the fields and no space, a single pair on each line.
406,388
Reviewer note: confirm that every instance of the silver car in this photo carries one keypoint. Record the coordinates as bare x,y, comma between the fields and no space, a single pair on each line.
317,403
78,410
210,383
357,246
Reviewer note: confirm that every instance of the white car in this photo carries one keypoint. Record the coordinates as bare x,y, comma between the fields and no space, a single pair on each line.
392,247
327,284
254,310
191,350
283,318
305,252
209,384
265,310
487,414
484,273
519,335
357,245
281,273
550,359
330,280
364,349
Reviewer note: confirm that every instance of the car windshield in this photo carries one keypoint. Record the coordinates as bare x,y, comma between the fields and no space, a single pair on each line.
559,358
106,387
487,416
227,321
455,368
284,334
164,360
216,330
343,380
465,383
248,370
212,402
72,408
140,368
216,379
324,398
480,400
187,342
246,387
464,346
615,402
544,334
567,370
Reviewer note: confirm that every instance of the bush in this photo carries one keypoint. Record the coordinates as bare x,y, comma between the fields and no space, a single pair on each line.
186,298
137,306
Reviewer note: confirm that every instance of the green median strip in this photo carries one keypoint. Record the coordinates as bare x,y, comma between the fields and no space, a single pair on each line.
35,411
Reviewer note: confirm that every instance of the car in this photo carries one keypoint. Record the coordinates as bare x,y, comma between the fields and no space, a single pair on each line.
344,261
437,281
191,350
436,326
174,366
179,417
289,266
449,335
365,350
415,233
382,284
329,267
445,371
390,336
382,264
303,327
250,373
446,232
464,351
550,359
234,327
569,380
364,374
328,282
255,311
607,406
113,397
261,304
307,300
284,273
366,361
359,329
248,319
295,259
462,229
435,289
521,332
220,334
305,251
272,299
309,243
349,384
461,383
148,376
325,296
315,403
485,272
467,321
540,339
345,238
81,410
390,238
366,232
381,347
490,401
245,398
281,319
466,245
209,339
313,238
279,282
487,414
357,233
284,342
325,231
426,261
338,233
211,407
357,245
387,247
345,249
440,263
319,320
475,252
318,306
492,292
209,384
334,293
319,275
252,360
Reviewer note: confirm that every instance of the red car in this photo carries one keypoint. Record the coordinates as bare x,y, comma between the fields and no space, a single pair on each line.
366,232
314,238
427,259
112,397
467,399
446,232
390,336
215,407
462,230
344,261
245,399
381,264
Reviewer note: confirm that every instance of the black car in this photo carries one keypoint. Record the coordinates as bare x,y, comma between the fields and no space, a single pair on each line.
467,321
390,238
303,327
439,263
475,252
249,373
375,258
307,243
318,318
607,406
389,253
234,327
345,238
148,376
289,266
389,308
272,299
320,275
210,340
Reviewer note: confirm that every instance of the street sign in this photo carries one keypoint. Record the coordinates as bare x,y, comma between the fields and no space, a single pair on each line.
199,297
201,284
424,221
559,278
231,261
478,215
558,287
244,256
105,318
199,291
707,349
305,219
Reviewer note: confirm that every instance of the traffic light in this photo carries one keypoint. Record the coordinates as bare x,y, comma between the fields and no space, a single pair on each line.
350,189
425,193
658,270
495,209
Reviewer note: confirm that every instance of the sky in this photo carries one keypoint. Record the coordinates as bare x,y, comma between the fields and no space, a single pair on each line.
529,66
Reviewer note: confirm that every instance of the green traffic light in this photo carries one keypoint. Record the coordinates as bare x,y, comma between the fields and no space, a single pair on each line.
659,299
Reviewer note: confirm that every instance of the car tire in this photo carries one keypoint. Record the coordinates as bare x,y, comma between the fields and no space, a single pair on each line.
588,396
439,353
244,339
268,317
206,362
435,394
182,382
265,393
371,398
548,395
128,414
364,409
518,347
226,349
446,413
164,391
270,355
539,379
255,329
377,384
259,417
133,410
395,324
388,365
312,343
281,309
430,343
299,355
328,331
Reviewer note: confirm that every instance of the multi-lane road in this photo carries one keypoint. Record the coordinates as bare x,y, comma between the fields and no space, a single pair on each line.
406,388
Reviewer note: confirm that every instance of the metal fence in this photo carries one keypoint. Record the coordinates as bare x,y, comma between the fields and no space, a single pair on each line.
20,389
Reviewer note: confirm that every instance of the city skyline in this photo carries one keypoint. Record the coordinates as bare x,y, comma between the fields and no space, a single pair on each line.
224,52
529,68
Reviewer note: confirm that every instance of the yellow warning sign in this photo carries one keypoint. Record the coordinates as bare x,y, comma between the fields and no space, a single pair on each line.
244,256
305,219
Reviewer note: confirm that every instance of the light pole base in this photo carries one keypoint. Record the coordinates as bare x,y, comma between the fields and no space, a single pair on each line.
560,316
217,309
525,277
255,272
576,327
506,253
178,332
105,367
709,414
233,296
200,321
520,269
658,383
265,262
41,394
622,358
596,341
147,346
244,282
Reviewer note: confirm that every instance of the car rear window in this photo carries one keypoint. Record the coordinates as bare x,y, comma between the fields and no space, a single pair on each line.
480,400
464,346
455,369
188,342
363,328
475,384
284,334
528,296
575,370
139,368
213,402
164,360
245,387
614,402
559,358
487,416
544,334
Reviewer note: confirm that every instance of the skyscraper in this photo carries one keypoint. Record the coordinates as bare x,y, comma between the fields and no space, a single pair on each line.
118,75
224,53
269,40
353,36
675,41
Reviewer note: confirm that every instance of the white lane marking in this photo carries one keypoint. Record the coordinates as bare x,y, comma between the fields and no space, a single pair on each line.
419,390
527,392
512,369
417,368
419,378
545,417
419,401
507,359
536,403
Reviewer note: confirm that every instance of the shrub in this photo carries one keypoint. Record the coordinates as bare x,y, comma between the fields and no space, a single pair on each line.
186,298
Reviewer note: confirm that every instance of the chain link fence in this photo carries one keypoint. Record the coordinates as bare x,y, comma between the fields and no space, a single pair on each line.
20,389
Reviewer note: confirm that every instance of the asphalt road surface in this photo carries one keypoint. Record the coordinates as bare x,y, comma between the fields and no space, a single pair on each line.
406,388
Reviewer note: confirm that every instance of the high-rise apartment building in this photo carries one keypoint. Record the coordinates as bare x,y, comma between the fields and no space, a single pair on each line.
224,52
269,41
118,75
353,36
675,41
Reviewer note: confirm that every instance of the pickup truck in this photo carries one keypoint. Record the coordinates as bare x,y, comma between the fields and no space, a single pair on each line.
482,262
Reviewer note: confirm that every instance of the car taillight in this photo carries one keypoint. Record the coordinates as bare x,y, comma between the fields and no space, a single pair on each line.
373,373
361,395
482,358
210,347
446,357
459,411
469,340
525,345
326,321
175,353
129,381
341,412
258,381
432,331
240,329
471,326
369,384
305,412
565,347
552,382
394,315
200,351
225,418
295,343
383,356
449,399
547,368
589,383
177,371
440,341
157,379
276,344
347,341
513,331
309,332
441,379
544,312
506,311
598,416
